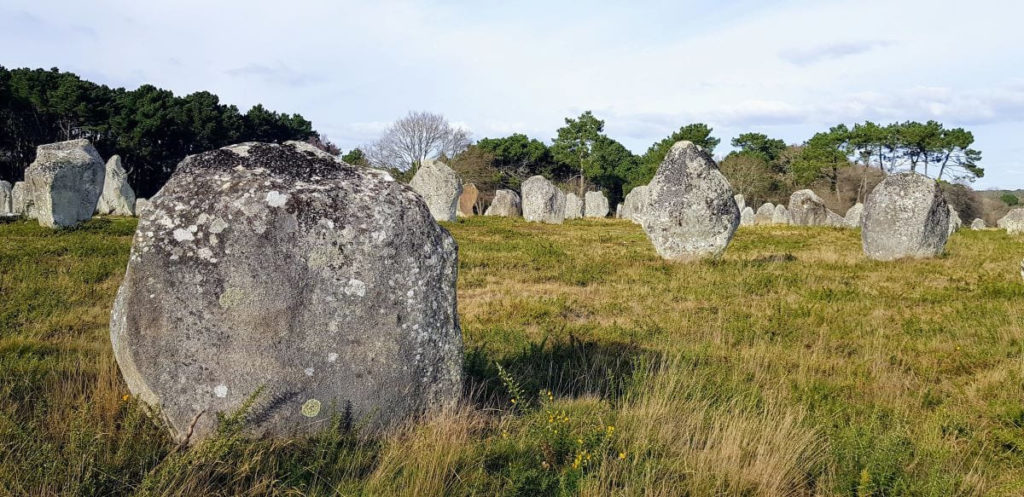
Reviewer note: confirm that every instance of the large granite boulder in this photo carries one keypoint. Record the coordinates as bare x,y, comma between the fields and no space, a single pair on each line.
954,220
506,203
854,215
117,197
574,207
20,203
748,217
542,201
636,203
595,204
905,216
314,287
1013,221
806,208
741,202
6,199
467,201
978,224
764,214
780,215
64,183
141,206
692,213
440,188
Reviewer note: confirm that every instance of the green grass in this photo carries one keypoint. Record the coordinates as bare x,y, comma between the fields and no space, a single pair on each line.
790,366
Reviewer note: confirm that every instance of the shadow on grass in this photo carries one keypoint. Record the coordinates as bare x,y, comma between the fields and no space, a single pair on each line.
568,368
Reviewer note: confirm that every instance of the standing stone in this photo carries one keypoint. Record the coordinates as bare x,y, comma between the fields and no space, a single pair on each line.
141,205
64,183
595,205
748,217
764,214
954,220
854,215
20,204
741,202
618,211
6,199
117,197
467,201
1013,221
542,201
636,203
834,220
807,209
314,287
692,213
506,204
905,216
978,224
440,188
573,206
780,215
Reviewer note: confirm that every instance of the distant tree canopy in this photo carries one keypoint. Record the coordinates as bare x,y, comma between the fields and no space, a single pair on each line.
150,128
1009,199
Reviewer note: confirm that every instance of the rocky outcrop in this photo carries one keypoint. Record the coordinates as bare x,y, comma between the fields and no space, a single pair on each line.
506,203
117,198
315,288
64,183
692,213
905,216
806,208
595,204
542,201
440,188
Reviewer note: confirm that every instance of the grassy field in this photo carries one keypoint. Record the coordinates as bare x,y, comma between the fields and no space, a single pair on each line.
791,366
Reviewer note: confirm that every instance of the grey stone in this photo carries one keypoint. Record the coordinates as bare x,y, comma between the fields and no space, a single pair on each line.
440,188
64,183
748,217
1013,221
834,220
780,215
764,214
467,201
506,203
618,211
978,224
574,206
854,215
312,286
807,209
542,201
117,197
141,205
636,204
6,199
692,213
954,220
741,202
905,216
595,204
20,204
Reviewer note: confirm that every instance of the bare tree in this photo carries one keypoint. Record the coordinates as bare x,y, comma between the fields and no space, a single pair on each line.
415,138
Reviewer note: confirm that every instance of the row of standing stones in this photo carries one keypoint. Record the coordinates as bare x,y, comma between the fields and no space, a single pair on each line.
282,275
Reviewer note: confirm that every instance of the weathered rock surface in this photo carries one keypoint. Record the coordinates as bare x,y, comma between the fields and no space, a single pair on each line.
780,215
542,201
506,203
141,206
618,211
467,201
117,197
905,216
692,213
741,203
954,220
636,203
574,207
834,220
20,204
64,183
595,204
1013,221
978,224
748,217
440,188
807,209
764,214
313,286
6,199
854,215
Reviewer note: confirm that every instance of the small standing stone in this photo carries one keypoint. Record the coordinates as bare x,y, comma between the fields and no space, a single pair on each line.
905,216
20,204
954,220
440,188
741,202
6,199
636,203
806,208
854,215
64,183
780,215
117,198
748,217
978,224
595,205
542,201
506,203
764,214
1013,221
467,201
573,206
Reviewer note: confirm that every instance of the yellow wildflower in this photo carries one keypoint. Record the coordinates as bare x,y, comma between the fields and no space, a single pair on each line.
622,455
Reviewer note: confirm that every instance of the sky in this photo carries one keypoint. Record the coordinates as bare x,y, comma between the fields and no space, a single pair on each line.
786,68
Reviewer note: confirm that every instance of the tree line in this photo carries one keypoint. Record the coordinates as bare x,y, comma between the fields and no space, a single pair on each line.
149,127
